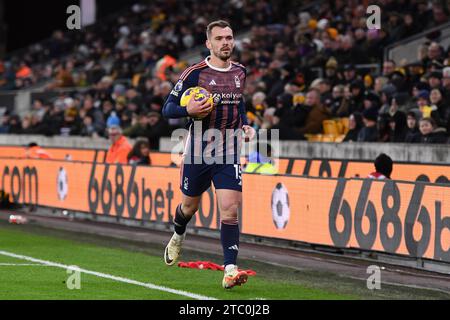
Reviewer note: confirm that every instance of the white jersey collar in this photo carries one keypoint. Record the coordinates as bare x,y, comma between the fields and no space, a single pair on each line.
215,68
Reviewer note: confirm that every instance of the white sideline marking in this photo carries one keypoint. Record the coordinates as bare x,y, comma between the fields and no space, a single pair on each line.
108,276
22,264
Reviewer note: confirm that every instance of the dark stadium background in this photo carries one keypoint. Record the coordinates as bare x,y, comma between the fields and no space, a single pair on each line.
25,21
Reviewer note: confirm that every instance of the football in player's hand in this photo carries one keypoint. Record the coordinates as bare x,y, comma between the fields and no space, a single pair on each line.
199,94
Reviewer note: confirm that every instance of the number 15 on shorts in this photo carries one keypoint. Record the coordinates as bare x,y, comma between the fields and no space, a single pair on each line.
237,169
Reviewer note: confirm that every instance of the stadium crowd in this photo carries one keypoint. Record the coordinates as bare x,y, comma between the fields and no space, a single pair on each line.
301,70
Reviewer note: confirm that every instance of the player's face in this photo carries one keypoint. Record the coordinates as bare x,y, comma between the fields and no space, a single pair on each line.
221,42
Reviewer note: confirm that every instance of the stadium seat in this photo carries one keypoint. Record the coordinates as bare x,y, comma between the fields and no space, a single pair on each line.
345,124
314,137
339,138
340,126
330,127
328,138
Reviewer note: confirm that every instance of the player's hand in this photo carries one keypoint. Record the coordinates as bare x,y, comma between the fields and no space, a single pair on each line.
249,132
199,109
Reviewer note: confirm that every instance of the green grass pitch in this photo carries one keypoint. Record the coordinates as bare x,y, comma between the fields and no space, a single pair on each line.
23,279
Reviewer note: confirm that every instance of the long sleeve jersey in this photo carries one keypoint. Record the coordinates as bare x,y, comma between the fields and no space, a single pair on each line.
217,136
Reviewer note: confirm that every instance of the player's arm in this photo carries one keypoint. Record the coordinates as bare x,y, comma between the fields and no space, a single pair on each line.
248,130
172,108
243,113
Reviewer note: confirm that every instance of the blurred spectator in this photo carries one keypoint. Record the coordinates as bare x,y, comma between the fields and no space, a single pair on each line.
383,166
350,75
431,133
120,147
331,74
413,133
63,78
97,120
440,109
34,151
355,123
434,79
423,103
369,132
129,66
259,105
5,123
339,104
158,128
388,68
26,125
356,102
140,129
434,54
326,96
409,26
384,127
398,127
416,89
7,77
71,124
14,125
317,114
88,128
156,104
380,83
446,78
440,12
371,100
140,154
289,117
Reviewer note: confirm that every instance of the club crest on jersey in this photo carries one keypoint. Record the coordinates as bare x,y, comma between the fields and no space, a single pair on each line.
237,81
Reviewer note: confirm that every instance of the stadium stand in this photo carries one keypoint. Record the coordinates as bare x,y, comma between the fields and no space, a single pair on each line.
324,45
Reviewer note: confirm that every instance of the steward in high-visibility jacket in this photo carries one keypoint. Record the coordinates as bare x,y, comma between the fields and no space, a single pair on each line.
258,163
